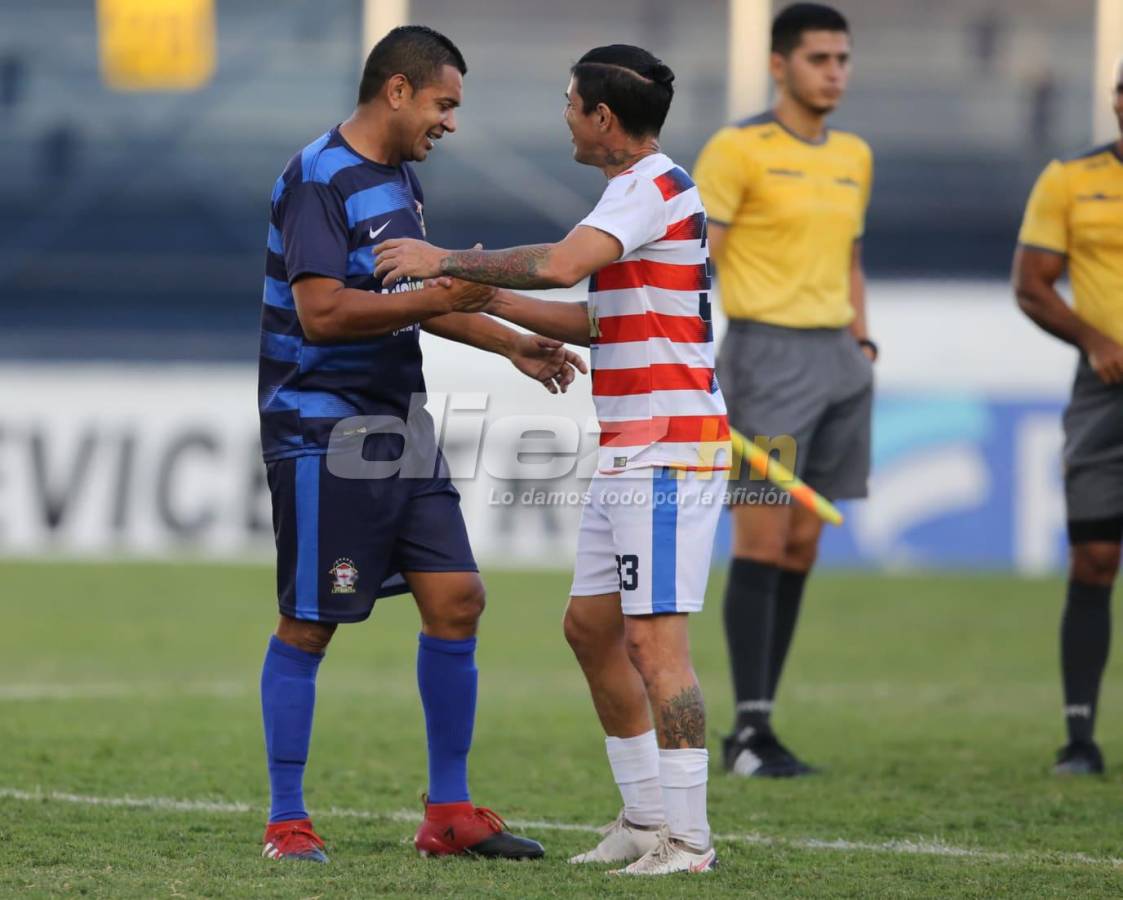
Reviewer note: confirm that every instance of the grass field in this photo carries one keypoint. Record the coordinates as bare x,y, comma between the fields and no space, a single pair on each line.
930,702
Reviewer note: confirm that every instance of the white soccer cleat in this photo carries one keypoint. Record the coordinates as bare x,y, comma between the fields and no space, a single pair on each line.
669,856
622,842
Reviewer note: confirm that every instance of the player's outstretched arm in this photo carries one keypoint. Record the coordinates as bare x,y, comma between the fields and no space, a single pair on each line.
562,320
583,251
543,359
329,312
1035,276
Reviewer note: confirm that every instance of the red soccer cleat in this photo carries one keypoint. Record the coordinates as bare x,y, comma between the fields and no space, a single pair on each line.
293,839
461,828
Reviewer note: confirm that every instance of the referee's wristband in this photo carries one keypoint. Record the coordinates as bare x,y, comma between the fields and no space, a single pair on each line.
867,344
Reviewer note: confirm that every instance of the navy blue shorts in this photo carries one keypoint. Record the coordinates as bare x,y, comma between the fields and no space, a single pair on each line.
342,543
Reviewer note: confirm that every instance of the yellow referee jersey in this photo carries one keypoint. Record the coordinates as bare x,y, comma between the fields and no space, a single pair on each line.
1076,209
794,210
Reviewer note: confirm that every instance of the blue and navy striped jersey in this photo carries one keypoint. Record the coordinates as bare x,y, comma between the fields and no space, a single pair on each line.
330,207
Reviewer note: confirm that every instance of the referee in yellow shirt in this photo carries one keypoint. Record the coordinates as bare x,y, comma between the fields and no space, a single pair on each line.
786,199
1074,220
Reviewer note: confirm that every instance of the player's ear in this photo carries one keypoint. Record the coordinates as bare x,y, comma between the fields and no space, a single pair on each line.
777,66
604,117
398,90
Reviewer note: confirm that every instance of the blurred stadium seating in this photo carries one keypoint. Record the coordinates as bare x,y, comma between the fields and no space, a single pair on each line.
132,225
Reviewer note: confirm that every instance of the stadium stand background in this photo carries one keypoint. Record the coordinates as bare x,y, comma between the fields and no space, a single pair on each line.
133,225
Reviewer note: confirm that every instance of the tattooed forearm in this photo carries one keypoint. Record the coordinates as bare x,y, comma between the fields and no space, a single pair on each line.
682,720
519,267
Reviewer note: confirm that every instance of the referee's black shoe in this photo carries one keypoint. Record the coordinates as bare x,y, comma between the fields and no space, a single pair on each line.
1079,758
759,754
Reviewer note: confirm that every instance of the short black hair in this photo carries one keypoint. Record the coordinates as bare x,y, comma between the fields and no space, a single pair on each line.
792,21
634,84
416,51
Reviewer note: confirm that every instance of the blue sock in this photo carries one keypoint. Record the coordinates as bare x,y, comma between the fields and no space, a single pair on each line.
288,695
447,677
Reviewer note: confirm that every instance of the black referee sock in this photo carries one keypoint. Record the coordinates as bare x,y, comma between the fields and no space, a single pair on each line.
1085,639
750,602
789,596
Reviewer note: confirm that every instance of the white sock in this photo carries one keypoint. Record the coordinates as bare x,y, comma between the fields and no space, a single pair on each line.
635,766
683,775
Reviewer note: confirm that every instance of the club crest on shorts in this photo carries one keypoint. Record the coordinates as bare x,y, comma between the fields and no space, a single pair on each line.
345,575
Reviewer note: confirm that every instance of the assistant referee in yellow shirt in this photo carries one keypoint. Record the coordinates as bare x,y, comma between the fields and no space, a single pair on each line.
1074,220
786,199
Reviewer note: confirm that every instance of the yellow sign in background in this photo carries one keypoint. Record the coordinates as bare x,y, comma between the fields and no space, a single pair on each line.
156,45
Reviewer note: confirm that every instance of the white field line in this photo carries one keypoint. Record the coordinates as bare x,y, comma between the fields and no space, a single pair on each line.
903,847
230,690
117,690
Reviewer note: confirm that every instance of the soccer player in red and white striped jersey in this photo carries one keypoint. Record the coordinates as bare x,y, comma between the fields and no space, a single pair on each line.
642,562
652,342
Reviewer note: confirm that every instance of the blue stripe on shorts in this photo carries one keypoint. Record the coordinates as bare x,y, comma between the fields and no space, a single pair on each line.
307,537
664,534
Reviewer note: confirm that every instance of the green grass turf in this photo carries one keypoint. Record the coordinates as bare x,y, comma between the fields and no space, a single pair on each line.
931,703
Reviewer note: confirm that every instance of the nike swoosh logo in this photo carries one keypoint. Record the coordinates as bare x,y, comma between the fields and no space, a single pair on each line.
374,234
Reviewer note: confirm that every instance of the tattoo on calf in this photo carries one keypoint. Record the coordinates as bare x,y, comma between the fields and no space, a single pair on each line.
682,720
518,267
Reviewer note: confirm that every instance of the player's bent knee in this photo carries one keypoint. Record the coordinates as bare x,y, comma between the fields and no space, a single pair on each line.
476,600
1094,562
450,607
764,547
465,610
800,557
311,637
583,634
769,552
593,627
760,533
576,632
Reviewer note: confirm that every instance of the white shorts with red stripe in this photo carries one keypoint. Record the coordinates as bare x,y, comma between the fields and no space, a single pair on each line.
648,534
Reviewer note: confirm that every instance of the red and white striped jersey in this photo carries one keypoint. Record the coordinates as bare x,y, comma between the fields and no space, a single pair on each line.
657,399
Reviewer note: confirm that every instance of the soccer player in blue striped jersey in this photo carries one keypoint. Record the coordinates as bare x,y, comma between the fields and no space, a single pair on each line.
339,355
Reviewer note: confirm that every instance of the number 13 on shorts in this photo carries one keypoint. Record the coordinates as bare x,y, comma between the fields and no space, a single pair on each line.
647,537
627,571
